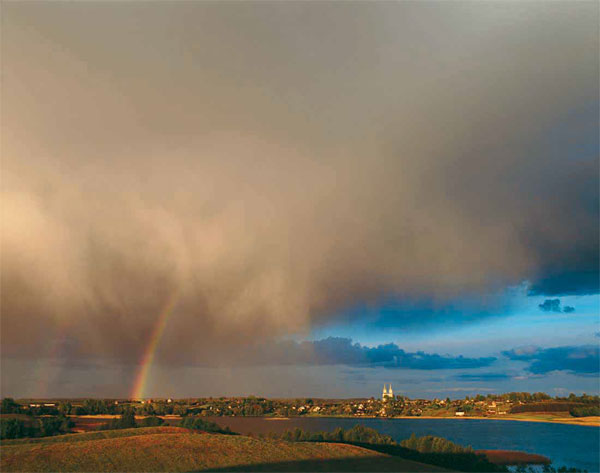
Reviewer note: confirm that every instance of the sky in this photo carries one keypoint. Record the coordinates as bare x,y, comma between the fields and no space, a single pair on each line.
293,199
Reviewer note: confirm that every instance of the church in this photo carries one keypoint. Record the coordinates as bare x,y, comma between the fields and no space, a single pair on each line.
387,393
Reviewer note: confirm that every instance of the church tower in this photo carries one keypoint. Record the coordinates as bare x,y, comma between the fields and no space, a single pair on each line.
387,393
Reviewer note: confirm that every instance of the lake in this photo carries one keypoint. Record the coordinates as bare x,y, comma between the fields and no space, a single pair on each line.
566,445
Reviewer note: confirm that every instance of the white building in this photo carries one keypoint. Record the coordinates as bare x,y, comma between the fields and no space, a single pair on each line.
387,393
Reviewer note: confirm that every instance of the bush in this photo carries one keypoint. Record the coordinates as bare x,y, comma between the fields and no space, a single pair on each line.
453,461
196,423
547,469
55,426
429,449
9,406
585,411
358,433
126,421
152,421
14,429
431,444
546,407
42,427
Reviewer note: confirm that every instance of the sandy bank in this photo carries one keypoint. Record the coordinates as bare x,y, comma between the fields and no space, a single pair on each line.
511,457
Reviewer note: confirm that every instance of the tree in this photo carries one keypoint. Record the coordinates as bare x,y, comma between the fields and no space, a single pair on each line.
65,408
13,429
127,420
180,410
9,406
151,422
196,423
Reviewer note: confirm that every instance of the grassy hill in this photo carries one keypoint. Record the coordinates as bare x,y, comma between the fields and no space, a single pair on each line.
175,449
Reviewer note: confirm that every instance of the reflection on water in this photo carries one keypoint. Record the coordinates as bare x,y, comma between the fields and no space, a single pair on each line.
566,445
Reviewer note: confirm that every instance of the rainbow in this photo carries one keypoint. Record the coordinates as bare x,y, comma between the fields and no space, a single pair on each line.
148,357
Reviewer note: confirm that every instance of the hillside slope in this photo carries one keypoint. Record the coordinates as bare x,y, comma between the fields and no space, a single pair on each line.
157,449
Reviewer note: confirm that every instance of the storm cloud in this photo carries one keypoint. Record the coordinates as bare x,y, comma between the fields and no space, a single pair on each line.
339,350
257,168
580,360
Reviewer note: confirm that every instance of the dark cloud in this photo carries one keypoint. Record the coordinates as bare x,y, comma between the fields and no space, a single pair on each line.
337,350
570,283
425,314
580,360
254,168
553,305
550,305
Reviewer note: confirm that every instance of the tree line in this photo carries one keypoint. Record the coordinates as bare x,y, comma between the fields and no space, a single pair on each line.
428,449
14,428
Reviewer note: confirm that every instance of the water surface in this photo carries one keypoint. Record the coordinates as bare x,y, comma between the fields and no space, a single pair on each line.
566,445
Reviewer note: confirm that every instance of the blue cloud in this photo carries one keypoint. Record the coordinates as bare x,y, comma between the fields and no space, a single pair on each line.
550,305
553,305
338,350
584,281
580,360
419,315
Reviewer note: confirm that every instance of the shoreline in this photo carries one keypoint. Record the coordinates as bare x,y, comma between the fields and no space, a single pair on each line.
592,422
595,422
559,420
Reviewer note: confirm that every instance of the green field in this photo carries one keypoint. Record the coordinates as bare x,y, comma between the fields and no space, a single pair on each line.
175,449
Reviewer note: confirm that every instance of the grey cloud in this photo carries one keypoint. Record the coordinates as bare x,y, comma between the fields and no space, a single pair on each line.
338,350
553,305
581,360
550,305
254,168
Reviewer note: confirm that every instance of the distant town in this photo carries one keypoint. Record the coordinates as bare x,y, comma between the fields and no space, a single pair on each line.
388,405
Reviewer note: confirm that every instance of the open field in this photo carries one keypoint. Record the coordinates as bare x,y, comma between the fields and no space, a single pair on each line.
551,417
91,422
175,449
98,435
558,417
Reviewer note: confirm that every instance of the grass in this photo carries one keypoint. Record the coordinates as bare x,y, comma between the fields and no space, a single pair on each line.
98,435
173,449
559,417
